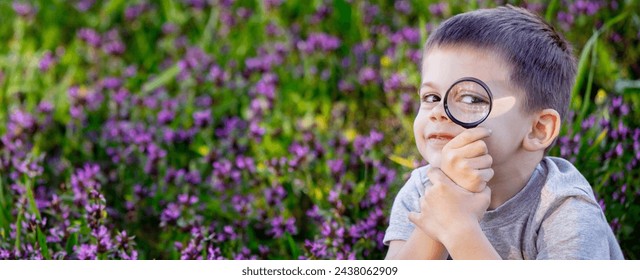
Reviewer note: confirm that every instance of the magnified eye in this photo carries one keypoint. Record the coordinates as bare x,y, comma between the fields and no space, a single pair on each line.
472,98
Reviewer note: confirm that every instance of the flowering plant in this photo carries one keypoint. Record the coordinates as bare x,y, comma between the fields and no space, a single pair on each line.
253,129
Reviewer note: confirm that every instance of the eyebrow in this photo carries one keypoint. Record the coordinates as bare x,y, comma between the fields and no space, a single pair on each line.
428,84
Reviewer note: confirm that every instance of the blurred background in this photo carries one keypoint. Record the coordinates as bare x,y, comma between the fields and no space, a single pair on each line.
251,129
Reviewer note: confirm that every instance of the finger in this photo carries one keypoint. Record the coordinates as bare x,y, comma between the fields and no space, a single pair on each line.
476,188
486,174
435,160
468,136
486,196
481,162
414,217
471,150
437,175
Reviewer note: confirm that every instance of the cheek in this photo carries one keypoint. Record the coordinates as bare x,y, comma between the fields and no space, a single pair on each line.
419,125
505,139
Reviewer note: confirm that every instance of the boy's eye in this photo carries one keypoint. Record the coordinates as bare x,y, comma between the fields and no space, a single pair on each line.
471,98
430,98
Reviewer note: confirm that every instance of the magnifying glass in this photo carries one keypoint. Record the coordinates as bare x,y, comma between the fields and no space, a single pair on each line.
468,102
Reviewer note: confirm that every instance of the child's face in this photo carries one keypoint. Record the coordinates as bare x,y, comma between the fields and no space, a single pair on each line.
440,69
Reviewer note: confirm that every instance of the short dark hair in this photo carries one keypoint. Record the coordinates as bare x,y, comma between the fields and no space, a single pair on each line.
541,59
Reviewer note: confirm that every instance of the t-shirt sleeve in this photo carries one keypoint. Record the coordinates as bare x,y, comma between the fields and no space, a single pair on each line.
407,200
575,229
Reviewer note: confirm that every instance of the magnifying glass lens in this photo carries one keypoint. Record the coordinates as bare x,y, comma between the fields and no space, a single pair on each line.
469,103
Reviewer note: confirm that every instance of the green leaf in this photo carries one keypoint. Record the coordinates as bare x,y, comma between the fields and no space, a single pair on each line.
584,76
71,242
621,86
164,78
42,241
551,10
295,251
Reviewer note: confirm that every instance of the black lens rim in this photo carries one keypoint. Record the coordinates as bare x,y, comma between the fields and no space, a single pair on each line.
464,124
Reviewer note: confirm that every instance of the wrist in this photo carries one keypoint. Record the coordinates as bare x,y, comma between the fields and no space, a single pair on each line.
460,230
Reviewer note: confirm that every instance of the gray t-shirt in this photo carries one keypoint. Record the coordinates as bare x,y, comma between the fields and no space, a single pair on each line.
555,216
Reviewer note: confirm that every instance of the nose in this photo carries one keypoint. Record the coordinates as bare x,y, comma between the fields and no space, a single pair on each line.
437,113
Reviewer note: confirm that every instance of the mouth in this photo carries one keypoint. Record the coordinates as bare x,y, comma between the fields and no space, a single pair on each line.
439,138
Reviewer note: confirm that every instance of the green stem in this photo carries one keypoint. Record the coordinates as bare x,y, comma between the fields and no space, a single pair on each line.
4,215
19,228
551,10
40,237
31,200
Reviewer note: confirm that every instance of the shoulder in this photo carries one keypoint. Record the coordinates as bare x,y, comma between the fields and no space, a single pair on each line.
419,178
563,179
414,187
565,190
571,223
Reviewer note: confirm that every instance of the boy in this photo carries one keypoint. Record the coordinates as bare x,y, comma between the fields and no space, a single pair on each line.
490,192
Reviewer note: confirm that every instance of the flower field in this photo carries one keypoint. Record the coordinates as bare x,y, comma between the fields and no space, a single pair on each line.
259,129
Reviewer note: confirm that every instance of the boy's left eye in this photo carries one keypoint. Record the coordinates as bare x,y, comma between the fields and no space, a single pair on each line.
471,98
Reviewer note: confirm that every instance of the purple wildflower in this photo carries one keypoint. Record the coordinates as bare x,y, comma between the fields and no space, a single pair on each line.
319,42
90,37
86,251
438,9
202,118
84,5
367,75
403,6
23,9
46,61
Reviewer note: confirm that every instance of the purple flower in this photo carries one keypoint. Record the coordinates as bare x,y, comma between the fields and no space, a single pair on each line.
202,118
46,61
90,37
437,9
393,83
111,82
134,11
84,5
336,167
86,251
271,4
345,86
217,75
214,253
367,75
275,196
242,204
103,237
319,42
403,6
196,4
411,35
266,86
23,9
229,233
114,47
279,226
165,116
170,214
256,131
169,28
618,108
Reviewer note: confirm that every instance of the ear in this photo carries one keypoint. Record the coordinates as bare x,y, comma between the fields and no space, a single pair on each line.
544,130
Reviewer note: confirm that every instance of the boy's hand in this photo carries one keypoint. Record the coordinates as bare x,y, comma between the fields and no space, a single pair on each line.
466,160
447,210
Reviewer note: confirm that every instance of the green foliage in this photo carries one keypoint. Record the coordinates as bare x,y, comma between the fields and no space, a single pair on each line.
327,108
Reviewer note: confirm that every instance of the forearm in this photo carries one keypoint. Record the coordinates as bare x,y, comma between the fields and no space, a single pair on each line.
471,244
419,246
